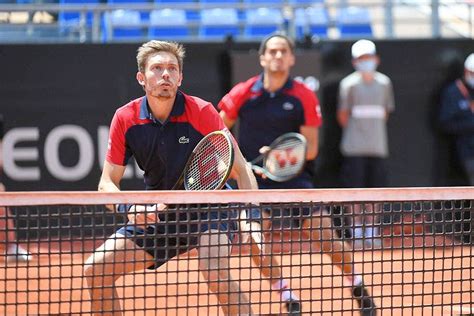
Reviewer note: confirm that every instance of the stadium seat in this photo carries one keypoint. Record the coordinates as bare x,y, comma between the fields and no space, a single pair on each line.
70,21
318,21
124,25
191,15
262,21
265,1
218,23
168,24
354,22
144,15
308,2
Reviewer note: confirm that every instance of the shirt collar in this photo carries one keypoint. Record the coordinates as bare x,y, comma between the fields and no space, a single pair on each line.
177,110
258,85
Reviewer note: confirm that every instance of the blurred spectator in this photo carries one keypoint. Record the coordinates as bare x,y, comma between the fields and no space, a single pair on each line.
447,170
13,252
365,101
457,116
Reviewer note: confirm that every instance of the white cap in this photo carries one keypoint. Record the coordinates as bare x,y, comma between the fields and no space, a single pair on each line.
363,47
469,63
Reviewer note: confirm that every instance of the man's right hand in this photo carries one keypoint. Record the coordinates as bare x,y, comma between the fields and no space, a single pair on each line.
145,215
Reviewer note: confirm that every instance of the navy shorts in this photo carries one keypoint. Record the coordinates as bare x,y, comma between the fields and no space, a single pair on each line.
283,215
179,230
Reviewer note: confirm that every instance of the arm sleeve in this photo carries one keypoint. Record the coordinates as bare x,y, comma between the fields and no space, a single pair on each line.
230,103
312,110
116,147
210,120
452,118
390,99
344,96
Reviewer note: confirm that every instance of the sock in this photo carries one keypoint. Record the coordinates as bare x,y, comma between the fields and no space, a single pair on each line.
285,292
12,249
356,280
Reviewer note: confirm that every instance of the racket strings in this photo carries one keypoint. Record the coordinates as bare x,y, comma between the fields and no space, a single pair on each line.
287,158
210,165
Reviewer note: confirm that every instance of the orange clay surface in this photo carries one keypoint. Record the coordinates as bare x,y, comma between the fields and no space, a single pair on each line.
412,281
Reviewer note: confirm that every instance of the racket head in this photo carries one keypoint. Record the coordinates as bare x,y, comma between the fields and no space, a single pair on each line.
210,163
286,157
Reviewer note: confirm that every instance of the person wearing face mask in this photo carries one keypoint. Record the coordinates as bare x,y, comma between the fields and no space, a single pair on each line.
457,116
365,101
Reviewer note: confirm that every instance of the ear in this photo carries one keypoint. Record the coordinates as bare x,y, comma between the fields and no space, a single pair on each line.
141,79
262,61
292,60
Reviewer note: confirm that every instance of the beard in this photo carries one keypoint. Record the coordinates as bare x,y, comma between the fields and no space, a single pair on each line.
164,94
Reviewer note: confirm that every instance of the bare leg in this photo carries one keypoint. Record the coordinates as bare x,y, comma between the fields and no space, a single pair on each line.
115,258
214,256
324,237
269,265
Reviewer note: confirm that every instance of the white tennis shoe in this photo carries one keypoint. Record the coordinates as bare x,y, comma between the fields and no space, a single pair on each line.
18,254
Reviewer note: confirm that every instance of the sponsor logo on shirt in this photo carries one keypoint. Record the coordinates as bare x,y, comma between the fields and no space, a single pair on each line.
183,140
288,106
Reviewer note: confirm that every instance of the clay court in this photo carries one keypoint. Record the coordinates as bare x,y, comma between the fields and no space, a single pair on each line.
429,281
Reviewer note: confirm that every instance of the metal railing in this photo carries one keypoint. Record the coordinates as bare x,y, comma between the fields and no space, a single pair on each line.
39,23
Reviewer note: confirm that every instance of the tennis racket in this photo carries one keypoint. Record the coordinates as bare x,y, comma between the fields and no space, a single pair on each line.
210,163
285,158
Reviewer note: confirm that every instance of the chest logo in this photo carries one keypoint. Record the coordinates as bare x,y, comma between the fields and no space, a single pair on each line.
183,140
288,106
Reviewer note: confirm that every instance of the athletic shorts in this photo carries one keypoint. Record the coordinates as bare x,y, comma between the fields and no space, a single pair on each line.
284,215
179,230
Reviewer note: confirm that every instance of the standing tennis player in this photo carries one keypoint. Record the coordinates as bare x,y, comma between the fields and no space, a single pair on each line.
160,130
272,104
13,251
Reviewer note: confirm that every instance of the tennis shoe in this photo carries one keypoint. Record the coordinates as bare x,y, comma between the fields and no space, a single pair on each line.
17,254
293,307
364,300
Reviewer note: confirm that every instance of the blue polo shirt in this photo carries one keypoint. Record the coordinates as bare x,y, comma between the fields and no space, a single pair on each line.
264,116
161,149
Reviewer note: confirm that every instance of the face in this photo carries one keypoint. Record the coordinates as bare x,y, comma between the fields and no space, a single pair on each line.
366,63
162,76
278,57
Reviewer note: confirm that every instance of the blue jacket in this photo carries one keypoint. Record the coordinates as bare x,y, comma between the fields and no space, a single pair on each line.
457,118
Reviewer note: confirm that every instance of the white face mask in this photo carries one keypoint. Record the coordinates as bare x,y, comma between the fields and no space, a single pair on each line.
366,65
470,81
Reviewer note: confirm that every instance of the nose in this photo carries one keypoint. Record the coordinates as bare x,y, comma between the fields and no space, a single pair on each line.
279,54
165,74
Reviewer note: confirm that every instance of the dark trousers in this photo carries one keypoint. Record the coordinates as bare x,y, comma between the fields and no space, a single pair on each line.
364,172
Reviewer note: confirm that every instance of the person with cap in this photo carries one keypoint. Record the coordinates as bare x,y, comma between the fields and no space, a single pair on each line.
457,116
365,100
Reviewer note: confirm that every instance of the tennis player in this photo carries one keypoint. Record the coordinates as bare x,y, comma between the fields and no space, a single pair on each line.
160,131
13,252
272,104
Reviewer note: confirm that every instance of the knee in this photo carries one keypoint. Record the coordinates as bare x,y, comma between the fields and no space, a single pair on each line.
95,274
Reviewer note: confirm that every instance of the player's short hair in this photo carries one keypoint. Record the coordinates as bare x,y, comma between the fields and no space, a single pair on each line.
263,44
153,47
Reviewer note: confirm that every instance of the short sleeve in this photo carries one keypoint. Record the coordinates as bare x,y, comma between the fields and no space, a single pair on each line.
231,102
312,109
116,144
344,95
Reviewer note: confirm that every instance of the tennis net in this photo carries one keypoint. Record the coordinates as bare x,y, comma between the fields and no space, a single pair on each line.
410,248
